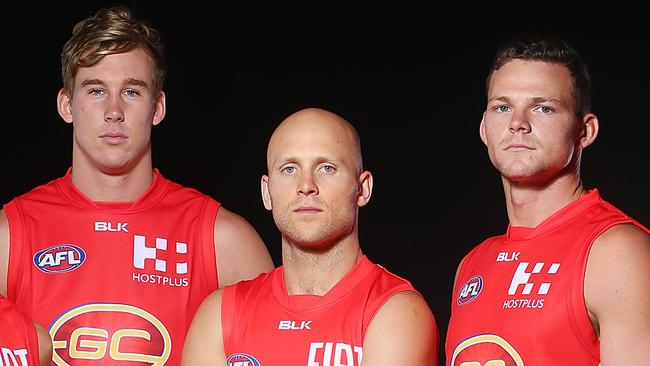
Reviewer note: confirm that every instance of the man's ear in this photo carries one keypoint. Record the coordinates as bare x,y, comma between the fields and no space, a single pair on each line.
64,106
589,130
481,130
365,188
160,108
266,197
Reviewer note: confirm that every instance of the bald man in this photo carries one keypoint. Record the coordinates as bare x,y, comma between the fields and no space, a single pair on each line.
327,304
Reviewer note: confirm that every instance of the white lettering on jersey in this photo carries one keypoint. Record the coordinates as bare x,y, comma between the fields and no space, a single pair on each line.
160,280
108,226
142,253
334,354
508,257
523,303
16,357
291,325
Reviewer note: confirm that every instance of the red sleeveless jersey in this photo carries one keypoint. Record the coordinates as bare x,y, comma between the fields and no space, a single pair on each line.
116,283
18,339
519,297
262,325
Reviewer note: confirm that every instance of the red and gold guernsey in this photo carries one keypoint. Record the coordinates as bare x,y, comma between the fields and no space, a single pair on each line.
116,283
519,297
263,326
18,339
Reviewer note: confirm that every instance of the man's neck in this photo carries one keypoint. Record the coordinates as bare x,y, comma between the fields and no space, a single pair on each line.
102,186
529,206
315,273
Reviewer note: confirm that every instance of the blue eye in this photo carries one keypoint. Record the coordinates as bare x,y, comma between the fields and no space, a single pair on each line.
132,92
328,168
95,91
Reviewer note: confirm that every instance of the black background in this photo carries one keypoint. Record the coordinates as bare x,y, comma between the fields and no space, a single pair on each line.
410,79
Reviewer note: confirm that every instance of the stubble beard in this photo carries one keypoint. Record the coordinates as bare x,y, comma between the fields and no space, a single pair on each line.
317,233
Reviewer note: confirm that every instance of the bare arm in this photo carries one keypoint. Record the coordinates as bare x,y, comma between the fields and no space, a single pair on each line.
403,332
4,252
204,342
616,281
44,339
241,253
44,345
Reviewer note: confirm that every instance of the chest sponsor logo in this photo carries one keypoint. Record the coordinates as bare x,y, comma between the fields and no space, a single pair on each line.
470,290
334,353
485,350
242,359
59,258
294,325
104,334
508,256
111,227
13,357
169,267
534,282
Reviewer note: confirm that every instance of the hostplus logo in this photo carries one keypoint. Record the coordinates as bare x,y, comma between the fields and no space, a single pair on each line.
170,267
523,283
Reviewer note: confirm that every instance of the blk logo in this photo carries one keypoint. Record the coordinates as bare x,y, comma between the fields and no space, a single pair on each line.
293,325
109,226
522,278
508,257
141,253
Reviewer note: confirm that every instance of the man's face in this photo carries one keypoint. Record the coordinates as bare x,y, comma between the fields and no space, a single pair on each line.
530,127
313,182
113,110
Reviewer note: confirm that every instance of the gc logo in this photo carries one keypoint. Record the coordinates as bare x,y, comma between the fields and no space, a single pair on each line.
115,331
485,350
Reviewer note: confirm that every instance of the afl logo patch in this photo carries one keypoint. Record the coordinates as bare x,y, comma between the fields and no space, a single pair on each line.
59,258
470,290
242,359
